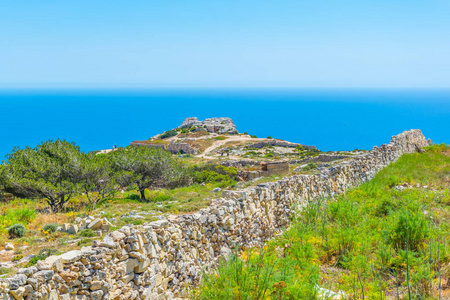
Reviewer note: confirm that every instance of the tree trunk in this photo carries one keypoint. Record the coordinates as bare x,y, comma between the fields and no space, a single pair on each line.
142,191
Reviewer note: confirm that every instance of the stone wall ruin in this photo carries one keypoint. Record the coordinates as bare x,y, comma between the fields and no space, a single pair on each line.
157,260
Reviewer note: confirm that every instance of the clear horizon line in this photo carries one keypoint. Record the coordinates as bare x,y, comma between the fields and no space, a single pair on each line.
178,87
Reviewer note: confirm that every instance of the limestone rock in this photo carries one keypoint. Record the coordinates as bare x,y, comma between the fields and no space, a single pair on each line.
95,224
71,256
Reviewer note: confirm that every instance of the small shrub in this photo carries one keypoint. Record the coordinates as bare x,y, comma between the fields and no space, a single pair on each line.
43,254
161,198
251,153
168,134
50,227
133,197
16,231
253,136
270,154
127,220
310,166
87,233
434,148
17,258
84,242
137,222
269,137
14,216
220,138
408,228
25,215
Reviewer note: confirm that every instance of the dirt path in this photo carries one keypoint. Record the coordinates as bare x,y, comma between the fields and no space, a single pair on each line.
220,143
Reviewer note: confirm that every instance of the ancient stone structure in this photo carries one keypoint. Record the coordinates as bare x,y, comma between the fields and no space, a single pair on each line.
181,148
157,260
267,169
213,125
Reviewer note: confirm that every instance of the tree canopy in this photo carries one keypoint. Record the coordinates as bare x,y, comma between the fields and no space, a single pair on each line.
148,167
98,177
52,170
57,170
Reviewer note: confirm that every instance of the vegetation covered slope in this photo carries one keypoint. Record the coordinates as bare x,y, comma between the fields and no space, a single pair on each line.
387,239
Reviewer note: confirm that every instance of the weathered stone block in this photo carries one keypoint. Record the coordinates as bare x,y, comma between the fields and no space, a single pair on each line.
95,224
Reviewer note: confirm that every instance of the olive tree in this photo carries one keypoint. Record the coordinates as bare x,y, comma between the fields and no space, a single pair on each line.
148,167
98,178
53,170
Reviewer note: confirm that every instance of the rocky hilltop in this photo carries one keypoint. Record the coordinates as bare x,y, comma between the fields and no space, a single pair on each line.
212,125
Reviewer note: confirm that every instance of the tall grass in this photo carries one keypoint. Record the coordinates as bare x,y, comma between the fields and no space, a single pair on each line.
370,242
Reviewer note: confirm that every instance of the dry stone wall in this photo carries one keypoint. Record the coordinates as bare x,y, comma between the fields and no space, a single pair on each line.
158,260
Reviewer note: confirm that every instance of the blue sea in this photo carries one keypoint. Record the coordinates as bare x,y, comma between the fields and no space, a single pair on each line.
331,119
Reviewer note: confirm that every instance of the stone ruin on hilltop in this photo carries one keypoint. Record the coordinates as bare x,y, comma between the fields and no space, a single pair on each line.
212,125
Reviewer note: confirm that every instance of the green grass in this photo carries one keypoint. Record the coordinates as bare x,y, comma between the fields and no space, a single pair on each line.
374,242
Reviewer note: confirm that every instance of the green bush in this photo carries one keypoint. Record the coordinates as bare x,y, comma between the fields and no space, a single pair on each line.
50,227
16,231
434,148
220,138
168,134
408,228
161,198
43,254
253,136
14,216
17,257
133,197
84,242
269,137
211,173
310,166
87,233
270,154
251,153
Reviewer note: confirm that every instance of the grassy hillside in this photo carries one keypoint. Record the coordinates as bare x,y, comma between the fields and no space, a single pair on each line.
387,239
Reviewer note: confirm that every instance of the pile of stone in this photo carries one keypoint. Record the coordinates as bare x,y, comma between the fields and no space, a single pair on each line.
99,225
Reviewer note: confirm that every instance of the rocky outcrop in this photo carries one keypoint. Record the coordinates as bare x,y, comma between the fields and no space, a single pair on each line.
157,260
213,125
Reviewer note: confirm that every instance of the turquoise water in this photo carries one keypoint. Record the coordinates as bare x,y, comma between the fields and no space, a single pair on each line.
328,119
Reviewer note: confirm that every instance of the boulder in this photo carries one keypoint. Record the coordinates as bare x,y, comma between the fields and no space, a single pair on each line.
95,224
73,229
71,256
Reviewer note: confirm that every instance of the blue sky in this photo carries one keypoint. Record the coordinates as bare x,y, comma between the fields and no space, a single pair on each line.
302,43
